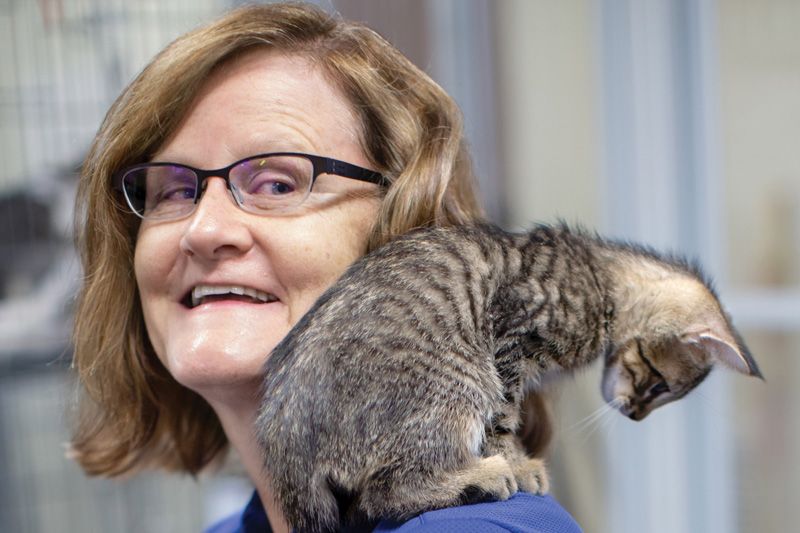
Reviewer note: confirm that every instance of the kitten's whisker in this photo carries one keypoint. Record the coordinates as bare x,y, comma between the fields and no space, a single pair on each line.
614,421
591,417
597,424
608,423
593,422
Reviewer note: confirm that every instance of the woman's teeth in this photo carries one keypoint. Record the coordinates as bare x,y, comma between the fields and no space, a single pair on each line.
202,291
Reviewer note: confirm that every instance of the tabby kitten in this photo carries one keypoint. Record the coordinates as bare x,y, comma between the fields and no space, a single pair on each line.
399,391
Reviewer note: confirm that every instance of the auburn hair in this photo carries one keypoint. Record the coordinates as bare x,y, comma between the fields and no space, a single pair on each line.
131,413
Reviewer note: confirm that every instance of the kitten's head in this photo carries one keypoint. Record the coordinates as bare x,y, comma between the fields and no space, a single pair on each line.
666,354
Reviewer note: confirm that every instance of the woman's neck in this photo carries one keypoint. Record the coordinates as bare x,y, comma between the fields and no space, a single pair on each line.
238,422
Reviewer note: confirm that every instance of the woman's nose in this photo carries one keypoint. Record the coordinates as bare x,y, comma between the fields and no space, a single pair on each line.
216,230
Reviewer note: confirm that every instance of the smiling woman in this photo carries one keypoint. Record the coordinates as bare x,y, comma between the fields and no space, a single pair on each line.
284,254
326,143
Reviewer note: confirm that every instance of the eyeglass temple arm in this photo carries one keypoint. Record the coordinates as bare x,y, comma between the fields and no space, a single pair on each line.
348,170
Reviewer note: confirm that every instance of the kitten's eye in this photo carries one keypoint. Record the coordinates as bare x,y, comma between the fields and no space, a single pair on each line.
659,388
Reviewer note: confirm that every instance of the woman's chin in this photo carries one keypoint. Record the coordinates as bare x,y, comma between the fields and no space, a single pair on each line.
218,376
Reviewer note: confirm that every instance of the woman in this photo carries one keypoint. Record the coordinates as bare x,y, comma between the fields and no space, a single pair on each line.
192,277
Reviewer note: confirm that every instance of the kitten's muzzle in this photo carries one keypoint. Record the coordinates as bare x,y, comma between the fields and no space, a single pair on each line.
634,411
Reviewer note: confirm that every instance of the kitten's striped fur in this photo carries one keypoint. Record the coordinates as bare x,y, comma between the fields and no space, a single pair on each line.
399,391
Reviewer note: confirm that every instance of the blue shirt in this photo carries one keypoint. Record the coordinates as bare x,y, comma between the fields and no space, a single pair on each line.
522,513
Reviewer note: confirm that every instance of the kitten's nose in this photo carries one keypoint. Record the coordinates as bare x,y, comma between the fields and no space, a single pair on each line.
638,412
632,411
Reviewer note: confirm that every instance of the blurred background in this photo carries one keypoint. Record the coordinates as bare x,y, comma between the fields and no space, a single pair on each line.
674,123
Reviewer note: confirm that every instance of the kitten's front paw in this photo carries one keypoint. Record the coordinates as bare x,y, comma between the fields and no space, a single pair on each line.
491,478
531,476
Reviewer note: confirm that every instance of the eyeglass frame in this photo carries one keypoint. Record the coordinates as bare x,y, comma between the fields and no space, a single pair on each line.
320,165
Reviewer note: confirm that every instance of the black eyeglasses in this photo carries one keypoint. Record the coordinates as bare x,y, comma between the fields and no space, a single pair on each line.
277,182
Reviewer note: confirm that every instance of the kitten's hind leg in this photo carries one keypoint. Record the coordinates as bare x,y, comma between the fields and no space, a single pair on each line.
488,478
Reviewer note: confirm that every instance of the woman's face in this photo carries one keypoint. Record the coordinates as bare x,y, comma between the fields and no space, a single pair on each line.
262,102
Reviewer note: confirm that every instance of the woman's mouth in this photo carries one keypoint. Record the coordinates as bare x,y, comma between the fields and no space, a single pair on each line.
213,293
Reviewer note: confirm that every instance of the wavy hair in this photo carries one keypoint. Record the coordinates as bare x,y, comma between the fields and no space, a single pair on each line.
131,413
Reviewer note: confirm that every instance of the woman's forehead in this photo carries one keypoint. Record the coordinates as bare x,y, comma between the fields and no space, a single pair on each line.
266,101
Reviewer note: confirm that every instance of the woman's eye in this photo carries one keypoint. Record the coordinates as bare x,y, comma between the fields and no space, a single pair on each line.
167,184
279,187
173,192
177,193
271,184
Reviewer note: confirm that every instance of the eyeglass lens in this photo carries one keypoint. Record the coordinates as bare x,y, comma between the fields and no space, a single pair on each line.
259,184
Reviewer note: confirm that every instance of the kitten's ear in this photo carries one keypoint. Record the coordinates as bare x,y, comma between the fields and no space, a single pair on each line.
722,346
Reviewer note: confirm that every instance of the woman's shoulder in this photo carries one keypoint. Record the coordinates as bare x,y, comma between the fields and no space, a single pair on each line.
522,513
251,519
